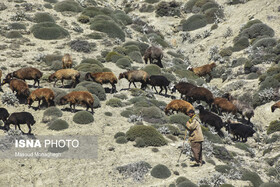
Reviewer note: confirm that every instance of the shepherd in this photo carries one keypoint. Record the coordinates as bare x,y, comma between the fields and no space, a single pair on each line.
195,137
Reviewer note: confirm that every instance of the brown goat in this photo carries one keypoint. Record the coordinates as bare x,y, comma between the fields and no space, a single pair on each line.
152,53
178,105
203,70
223,105
18,85
183,88
67,61
200,93
40,94
78,97
103,78
27,73
275,106
136,76
65,74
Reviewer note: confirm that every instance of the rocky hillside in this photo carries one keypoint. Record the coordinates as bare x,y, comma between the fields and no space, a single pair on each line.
138,145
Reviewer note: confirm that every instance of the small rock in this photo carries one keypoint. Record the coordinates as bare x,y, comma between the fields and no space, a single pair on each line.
111,149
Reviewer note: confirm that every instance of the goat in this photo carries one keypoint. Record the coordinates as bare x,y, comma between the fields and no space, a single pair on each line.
65,74
239,130
135,76
40,94
78,97
152,53
183,88
200,93
67,61
178,105
18,118
275,106
242,108
4,114
211,119
103,78
223,105
203,70
27,73
18,85
159,80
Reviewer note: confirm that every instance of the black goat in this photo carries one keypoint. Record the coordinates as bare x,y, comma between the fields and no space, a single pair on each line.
159,80
183,88
18,118
239,130
211,119
4,114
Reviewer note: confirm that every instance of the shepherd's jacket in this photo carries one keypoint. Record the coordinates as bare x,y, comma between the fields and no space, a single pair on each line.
194,128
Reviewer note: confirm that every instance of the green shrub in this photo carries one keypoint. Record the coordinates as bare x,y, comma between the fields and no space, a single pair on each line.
160,171
96,36
265,42
96,11
187,184
126,113
51,113
209,5
181,179
108,114
136,56
121,96
43,17
58,125
152,114
92,61
274,126
272,172
157,39
121,140
242,146
93,68
136,92
272,161
273,139
123,63
119,134
269,184
109,27
222,153
257,30
13,34
179,118
83,19
56,65
253,177
68,5
48,59
194,22
139,142
141,46
83,117
51,1
240,43
226,185
253,76
113,56
94,88
212,13
151,1
269,82
48,31
168,9
130,48
226,52
17,26
114,102
48,6
212,137
122,17
158,103
186,74
173,130
152,69
149,134
146,8
223,168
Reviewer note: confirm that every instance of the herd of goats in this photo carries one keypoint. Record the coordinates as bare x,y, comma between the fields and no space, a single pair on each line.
189,94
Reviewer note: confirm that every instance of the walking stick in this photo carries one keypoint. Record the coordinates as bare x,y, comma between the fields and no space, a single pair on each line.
183,146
